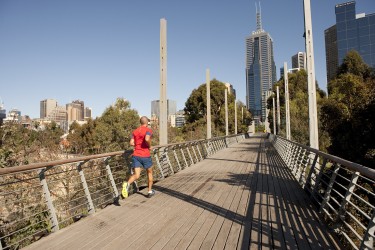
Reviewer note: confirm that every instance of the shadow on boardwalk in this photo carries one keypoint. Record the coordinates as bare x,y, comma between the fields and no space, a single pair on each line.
278,214
242,197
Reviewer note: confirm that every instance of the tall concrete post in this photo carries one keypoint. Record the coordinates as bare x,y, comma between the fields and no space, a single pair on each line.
235,117
209,134
242,114
278,107
313,114
287,113
163,119
226,112
274,116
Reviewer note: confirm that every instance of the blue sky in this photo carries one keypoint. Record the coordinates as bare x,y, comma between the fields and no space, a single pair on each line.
97,51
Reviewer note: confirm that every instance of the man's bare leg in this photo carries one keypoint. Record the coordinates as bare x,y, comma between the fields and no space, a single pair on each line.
150,179
135,176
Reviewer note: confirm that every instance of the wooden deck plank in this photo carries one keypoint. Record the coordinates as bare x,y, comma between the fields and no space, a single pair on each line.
239,198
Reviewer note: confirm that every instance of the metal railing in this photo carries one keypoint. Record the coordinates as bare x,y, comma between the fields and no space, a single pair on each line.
41,198
342,190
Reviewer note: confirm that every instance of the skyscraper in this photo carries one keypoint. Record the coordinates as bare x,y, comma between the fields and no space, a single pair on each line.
260,69
351,32
299,61
155,108
46,106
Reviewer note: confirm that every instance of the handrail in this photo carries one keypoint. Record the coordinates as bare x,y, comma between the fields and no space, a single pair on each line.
41,198
366,171
343,191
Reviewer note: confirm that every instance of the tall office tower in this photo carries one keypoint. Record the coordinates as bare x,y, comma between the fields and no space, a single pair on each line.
351,32
331,52
260,69
75,111
46,106
3,112
88,113
58,114
299,61
155,108
230,89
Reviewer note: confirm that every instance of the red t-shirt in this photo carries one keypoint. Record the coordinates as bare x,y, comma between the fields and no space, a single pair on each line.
141,147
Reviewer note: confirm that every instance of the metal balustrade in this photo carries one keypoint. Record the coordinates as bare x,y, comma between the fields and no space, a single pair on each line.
41,198
342,190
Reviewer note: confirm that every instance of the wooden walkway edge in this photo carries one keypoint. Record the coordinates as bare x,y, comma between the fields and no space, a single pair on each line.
243,197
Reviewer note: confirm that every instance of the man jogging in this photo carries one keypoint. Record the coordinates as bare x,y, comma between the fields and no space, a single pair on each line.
141,140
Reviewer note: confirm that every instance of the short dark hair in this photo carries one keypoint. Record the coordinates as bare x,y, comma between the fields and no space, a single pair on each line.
144,120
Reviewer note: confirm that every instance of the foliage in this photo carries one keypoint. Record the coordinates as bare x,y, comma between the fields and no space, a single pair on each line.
21,145
298,109
196,110
348,115
110,132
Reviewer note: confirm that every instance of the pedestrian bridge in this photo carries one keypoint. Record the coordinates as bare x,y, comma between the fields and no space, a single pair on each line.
235,192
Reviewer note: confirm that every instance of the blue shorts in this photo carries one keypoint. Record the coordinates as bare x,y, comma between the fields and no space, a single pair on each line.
144,162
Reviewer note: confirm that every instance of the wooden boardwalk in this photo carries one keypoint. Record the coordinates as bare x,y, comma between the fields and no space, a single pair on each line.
240,198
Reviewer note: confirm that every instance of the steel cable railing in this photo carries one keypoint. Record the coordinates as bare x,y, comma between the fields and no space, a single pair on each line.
343,191
41,198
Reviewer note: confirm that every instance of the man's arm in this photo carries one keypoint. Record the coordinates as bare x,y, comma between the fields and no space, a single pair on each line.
148,140
131,142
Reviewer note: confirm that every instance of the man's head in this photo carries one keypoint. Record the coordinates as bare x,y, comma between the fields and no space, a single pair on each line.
144,120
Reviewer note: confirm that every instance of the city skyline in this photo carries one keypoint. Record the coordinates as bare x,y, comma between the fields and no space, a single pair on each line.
98,51
260,69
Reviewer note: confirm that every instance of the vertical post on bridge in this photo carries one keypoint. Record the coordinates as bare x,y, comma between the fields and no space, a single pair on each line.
208,96
274,116
313,115
235,117
226,112
287,113
163,119
278,107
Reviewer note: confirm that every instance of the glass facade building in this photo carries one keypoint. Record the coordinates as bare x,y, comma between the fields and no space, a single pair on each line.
260,70
353,32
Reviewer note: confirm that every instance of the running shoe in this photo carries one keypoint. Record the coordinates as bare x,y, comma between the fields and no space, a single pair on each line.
150,194
124,191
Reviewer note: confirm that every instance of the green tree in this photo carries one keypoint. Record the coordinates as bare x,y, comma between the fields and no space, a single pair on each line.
109,132
196,110
298,109
348,113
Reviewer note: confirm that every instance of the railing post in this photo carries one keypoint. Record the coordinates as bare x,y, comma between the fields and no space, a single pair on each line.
183,156
199,152
156,155
368,238
195,154
110,176
47,196
191,158
317,180
91,207
312,169
175,156
167,158
327,194
347,197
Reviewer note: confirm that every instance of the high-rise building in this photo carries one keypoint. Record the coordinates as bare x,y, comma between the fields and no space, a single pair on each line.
260,69
351,32
58,114
3,113
75,111
230,88
299,61
88,113
155,108
46,106
331,52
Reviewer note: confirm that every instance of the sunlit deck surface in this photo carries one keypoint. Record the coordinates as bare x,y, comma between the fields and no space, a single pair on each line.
240,198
